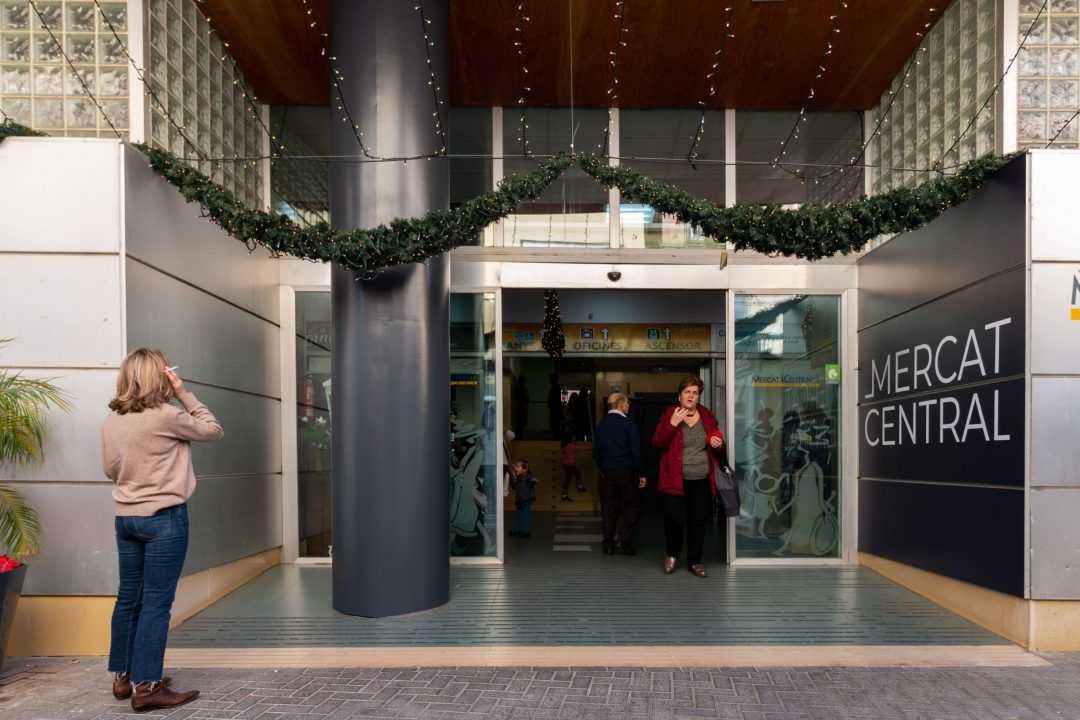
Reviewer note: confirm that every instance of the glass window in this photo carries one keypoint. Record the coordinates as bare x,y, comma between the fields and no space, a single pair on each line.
930,105
824,138
189,74
469,134
474,460
573,211
40,90
299,188
668,135
787,425
314,403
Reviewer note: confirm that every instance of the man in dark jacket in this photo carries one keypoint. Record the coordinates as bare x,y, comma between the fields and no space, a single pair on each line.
617,453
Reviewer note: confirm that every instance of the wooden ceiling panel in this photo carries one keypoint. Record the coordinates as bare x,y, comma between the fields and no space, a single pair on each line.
770,63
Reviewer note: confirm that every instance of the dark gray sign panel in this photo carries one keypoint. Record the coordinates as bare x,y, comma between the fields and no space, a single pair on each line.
941,389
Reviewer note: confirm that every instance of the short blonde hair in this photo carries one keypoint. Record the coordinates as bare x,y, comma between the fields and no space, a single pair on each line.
142,383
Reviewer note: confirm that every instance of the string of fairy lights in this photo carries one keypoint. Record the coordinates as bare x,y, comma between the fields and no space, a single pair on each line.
75,71
613,88
522,19
278,150
819,73
710,84
336,79
997,85
147,85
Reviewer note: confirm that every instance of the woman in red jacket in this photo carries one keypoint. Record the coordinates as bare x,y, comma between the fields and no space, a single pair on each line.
692,446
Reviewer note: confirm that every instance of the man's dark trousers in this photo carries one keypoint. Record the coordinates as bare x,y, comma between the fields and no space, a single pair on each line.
620,505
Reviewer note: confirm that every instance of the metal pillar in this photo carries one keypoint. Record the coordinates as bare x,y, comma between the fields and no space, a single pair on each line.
391,365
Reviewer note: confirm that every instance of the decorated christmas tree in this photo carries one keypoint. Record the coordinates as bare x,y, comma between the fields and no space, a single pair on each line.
551,333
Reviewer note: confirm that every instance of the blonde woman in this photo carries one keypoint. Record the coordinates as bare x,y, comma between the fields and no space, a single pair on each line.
146,451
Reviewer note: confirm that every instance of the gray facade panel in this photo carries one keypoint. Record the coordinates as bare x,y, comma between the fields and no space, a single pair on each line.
213,342
252,442
1055,336
73,440
233,517
1055,544
166,232
972,241
1055,417
78,554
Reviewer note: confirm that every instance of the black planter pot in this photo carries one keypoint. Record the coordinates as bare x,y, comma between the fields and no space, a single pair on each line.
10,587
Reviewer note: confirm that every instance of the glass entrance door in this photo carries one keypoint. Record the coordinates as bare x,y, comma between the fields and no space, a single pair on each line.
475,447
787,425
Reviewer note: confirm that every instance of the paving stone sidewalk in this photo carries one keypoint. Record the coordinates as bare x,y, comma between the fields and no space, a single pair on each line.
66,689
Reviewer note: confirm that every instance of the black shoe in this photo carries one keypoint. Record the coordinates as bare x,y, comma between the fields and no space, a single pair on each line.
567,498
609,548
626,550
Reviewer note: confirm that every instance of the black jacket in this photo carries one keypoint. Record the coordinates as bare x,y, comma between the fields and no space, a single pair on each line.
616,447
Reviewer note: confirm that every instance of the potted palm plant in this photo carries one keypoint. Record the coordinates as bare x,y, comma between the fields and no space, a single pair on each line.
23,405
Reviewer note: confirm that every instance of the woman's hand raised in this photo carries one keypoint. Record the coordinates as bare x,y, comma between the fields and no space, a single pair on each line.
678,417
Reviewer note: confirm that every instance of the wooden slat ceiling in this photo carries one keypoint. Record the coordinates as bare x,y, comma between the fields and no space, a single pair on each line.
769,64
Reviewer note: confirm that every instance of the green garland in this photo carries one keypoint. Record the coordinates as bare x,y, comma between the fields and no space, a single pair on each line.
10,128
811,232
363,250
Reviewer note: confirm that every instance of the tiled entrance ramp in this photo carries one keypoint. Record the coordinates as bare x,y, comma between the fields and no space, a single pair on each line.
590,609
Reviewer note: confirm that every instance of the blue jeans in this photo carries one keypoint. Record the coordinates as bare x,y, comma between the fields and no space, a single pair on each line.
523,516
151,551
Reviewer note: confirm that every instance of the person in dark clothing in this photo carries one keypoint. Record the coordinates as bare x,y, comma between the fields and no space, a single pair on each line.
617,453
693,449
555,406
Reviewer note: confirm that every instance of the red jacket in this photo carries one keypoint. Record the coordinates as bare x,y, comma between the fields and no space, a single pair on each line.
670,441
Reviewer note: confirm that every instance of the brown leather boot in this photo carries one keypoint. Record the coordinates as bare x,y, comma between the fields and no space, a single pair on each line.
121,685
158,696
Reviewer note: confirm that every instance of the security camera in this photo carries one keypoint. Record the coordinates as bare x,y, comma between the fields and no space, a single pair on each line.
614,276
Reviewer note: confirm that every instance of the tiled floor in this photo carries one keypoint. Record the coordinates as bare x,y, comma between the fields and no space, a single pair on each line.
547,596
78,690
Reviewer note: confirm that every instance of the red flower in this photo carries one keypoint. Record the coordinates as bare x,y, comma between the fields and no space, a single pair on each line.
9,564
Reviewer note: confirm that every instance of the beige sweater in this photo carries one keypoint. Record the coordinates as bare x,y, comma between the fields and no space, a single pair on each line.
148,454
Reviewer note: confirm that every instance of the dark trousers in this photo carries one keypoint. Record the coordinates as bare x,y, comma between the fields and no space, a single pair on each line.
688,513
620,505
151,551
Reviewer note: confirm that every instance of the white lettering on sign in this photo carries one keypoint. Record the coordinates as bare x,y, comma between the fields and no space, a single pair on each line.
891,375
926,366
944,420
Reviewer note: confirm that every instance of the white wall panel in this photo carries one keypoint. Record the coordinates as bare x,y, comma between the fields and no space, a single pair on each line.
78,555
1055,419
60,195
168,233
63,310
1055,213
1055,336
73,440
212,342
1055,543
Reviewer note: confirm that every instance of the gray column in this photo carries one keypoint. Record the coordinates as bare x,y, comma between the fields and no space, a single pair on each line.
391,363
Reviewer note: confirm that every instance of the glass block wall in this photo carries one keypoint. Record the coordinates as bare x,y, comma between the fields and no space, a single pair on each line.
957,66
39,89
205,95
1049,73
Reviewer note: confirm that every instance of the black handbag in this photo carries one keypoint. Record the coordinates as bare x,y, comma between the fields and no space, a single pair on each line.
728,489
